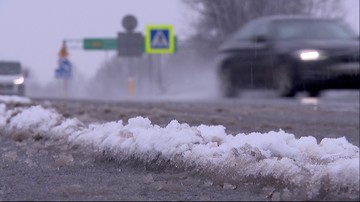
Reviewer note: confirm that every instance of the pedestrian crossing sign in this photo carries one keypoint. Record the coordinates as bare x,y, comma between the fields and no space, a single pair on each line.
159,39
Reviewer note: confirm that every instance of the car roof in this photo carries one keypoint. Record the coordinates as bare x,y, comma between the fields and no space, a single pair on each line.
9,62
3,63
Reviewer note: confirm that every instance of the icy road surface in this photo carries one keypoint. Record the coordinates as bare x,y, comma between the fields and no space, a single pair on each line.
46,154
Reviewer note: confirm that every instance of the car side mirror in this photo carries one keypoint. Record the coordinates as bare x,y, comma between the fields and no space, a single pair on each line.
259,39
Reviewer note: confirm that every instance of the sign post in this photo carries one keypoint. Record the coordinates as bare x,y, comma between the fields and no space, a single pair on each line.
64,69
130,45
160,39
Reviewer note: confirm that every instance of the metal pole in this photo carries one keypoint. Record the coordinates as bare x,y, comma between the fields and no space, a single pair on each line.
161,83
149,72
74,42
139,69
107,70
131,82
65,89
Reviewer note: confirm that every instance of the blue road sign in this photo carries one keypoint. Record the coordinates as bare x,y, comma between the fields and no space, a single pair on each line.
64,70
159,39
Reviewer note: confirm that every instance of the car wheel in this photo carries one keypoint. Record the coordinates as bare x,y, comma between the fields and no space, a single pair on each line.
285,82
227,87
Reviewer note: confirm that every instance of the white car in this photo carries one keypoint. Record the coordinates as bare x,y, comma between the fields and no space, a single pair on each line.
12,78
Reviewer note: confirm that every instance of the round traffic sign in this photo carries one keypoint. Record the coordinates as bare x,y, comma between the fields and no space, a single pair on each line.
129,22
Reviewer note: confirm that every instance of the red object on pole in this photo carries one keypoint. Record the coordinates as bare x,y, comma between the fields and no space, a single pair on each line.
63,53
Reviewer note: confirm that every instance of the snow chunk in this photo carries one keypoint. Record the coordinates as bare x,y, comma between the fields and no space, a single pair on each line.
2,115
35,117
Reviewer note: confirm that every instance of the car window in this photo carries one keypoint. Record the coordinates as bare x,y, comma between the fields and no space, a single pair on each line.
262,29
10,68
246,32
252,29
310,29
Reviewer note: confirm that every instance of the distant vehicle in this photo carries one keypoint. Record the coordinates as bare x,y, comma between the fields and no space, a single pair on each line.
290,54
12,78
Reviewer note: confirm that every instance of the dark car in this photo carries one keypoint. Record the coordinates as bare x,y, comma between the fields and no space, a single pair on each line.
290,54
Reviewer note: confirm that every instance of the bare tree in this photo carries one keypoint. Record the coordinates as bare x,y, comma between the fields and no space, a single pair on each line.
220,18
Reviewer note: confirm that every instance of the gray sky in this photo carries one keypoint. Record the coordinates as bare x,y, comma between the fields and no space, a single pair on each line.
352,10
32,30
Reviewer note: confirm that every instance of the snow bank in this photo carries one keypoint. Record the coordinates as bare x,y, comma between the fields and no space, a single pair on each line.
330,167
14,99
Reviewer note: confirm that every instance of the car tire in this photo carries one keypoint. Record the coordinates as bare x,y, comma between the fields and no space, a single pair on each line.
285,82
314,93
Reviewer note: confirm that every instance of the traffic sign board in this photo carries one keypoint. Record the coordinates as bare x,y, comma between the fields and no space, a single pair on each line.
64,70
159,39
130,44
129,22
100,44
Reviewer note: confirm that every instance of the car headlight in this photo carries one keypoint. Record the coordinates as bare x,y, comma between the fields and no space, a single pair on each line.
19,80
310,55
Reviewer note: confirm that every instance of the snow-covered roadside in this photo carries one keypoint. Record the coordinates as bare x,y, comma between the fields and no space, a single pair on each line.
14,99
330,167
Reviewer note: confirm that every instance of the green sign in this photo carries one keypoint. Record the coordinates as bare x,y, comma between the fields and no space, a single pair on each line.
109,44
100,44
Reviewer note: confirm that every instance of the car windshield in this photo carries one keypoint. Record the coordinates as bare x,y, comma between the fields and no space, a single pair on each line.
10,68
311,29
